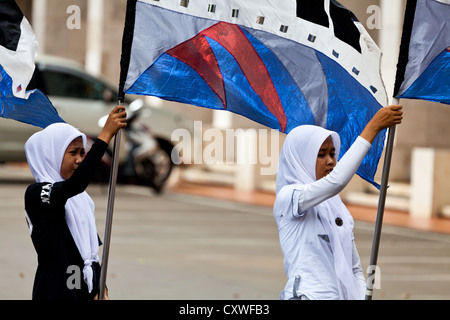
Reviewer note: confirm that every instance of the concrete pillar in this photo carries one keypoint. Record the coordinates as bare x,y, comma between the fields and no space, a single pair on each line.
39,20
390,35
430,169
94,32
222,119
246,160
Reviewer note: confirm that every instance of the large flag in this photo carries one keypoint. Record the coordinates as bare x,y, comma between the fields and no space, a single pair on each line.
17,53
280,63
423,70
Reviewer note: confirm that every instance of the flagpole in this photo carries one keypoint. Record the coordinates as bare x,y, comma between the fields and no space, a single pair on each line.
380,210
109,211
127,40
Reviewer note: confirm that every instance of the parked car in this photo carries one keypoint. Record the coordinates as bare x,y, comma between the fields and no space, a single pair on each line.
81,100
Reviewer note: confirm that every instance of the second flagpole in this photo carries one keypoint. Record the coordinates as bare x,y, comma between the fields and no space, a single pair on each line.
127,41
109,211
380,211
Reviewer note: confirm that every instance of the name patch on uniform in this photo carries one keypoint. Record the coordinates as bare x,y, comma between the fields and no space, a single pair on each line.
45,193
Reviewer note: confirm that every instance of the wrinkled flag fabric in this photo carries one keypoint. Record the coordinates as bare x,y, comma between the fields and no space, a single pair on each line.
423,70
18,46
279,63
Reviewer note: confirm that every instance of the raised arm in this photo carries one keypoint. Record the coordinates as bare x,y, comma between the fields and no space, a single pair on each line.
117,120
385,117
81,177
329,186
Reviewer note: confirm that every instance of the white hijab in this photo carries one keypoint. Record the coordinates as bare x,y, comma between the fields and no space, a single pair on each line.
297,167
45,151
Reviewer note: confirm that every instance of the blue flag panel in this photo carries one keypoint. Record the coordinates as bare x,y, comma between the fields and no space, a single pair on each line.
284,68
423,70
17,53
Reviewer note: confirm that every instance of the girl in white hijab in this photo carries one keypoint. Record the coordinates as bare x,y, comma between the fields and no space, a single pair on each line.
60,213
315,227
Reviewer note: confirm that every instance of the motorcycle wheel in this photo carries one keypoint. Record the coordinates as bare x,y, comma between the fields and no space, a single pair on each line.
154,170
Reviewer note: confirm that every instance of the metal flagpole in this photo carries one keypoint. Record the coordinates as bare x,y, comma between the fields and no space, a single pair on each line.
380,211
109,211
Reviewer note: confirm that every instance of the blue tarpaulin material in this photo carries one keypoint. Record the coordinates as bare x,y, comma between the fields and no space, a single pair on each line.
424,62
279,64
17,53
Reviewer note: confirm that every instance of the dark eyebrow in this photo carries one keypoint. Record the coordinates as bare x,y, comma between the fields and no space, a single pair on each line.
75,148
325,149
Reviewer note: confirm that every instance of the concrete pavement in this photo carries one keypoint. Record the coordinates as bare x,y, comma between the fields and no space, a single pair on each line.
185,246
362,213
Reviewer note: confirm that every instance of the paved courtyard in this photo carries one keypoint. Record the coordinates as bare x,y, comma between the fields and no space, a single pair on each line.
179,246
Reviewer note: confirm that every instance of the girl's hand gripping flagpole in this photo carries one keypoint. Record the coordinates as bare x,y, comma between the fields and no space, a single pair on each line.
380,212
127,40
109,211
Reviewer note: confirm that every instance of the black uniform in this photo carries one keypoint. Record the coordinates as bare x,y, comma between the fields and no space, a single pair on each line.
55,247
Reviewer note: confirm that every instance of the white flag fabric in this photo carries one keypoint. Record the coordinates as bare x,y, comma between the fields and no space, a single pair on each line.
18,46
424,62
280,63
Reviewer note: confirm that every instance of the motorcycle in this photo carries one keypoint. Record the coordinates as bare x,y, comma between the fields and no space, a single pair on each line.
143,159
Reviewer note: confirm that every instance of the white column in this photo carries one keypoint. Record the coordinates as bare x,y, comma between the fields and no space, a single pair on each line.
246,160
94,36
39,19
430,185
422,172
222,119
392,13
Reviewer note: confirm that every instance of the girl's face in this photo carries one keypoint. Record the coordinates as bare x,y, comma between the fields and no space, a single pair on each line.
72,158
326,160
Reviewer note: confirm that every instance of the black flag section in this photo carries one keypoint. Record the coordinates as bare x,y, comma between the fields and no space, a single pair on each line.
344,26
127,41
342,19
404,45
313,11
10,18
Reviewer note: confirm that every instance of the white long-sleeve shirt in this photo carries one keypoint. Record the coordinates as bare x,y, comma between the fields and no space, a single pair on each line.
308,259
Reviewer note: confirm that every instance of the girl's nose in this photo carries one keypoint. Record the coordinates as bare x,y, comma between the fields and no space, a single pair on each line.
331,161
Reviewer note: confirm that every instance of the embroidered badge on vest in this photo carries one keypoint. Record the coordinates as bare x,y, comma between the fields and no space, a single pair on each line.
45,193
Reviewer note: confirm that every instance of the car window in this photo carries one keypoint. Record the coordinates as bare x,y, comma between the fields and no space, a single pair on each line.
68,85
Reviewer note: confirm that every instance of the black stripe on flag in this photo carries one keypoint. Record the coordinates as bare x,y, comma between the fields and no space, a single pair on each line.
408,22
10,19
342,18
313,11
127,41
344,26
